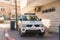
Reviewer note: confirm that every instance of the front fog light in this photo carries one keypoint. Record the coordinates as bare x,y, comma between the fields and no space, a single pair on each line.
42,29
23,29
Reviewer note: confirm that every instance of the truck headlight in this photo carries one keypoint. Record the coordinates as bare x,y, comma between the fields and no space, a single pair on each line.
23,25
23,29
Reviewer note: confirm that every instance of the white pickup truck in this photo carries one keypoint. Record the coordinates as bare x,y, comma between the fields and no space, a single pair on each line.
31,24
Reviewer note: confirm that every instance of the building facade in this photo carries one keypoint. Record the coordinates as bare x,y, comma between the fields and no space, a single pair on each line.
7,8
49,13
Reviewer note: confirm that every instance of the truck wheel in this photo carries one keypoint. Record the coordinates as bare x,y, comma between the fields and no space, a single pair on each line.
42,34
21,34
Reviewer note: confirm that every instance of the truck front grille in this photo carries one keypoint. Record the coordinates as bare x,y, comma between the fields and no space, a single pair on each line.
37,25
29,25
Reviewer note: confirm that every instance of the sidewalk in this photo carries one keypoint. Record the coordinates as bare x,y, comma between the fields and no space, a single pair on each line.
8,35
13,34
2,37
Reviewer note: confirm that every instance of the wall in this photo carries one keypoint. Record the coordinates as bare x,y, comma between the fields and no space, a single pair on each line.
31,4
7,9
13,12
52,17
6,1
12,2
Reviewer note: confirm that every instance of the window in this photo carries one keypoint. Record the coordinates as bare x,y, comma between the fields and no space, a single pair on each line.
53,9
30,18
2,9
43,11
48,10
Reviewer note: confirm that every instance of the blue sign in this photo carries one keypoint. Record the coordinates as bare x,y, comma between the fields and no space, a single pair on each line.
59,32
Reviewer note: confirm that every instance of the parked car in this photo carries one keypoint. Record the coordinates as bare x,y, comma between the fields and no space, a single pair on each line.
31,24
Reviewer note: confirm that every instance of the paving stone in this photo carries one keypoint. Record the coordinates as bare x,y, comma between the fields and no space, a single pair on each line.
2,37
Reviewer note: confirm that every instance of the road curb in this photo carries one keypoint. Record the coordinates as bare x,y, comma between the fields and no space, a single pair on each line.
53,32
7,36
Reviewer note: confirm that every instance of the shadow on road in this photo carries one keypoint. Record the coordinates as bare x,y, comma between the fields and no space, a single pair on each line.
49,36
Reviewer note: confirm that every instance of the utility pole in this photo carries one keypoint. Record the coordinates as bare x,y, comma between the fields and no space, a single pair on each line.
16,14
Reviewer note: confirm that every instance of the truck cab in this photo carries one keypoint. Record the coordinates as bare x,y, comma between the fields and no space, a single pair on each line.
31,24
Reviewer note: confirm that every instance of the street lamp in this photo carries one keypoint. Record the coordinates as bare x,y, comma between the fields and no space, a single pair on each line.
16,14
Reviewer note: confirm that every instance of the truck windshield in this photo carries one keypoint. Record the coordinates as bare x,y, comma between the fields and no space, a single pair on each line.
30,18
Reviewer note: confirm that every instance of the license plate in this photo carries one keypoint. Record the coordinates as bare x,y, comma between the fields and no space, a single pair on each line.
33,29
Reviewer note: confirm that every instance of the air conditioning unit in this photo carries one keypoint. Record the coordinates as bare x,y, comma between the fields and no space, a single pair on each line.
37,9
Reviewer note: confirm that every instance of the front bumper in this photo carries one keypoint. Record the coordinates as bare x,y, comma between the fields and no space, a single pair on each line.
33,31
36,30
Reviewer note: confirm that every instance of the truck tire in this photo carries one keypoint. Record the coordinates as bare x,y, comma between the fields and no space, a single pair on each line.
21,34
42,34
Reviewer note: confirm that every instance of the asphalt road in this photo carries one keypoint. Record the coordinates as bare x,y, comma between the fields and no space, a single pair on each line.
2,37
50,36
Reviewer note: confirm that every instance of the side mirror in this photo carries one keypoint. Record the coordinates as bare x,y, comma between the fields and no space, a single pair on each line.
20,19
40,19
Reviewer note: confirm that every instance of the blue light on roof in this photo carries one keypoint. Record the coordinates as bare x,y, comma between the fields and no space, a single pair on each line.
29,13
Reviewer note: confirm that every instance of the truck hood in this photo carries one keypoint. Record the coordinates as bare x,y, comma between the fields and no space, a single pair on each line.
31,22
